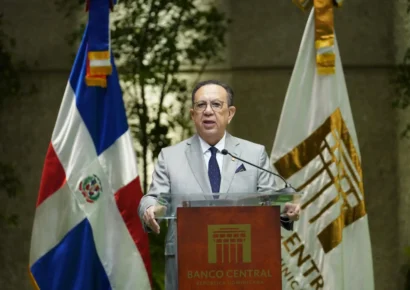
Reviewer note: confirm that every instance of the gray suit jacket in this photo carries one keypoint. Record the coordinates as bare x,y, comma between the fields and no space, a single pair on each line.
181,169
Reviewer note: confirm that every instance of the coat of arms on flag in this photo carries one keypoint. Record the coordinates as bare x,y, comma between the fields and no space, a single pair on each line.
91,188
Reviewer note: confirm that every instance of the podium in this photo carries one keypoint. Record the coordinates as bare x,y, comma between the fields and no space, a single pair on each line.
232,242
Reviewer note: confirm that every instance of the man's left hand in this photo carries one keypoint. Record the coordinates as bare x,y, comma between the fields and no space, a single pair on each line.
292,211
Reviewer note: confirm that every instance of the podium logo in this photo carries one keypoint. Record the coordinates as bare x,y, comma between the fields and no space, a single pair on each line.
229,244
328,170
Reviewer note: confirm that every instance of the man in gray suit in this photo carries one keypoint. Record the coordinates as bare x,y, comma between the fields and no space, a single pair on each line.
196,165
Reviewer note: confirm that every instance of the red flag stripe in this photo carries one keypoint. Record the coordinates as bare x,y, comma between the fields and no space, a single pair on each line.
128,199
53,177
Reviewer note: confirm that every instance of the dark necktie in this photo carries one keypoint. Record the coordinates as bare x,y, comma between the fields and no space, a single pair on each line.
214,173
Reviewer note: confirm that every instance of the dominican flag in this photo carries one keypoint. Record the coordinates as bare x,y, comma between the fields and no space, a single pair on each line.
86,233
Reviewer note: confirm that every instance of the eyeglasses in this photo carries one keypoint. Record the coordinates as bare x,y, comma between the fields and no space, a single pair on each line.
201,106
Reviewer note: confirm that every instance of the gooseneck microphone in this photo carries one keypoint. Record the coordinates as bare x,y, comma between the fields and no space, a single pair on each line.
287,189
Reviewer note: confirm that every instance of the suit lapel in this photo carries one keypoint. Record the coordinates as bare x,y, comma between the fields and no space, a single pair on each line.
229,164
196,161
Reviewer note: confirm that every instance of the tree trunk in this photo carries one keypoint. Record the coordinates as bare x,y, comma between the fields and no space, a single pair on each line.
144,142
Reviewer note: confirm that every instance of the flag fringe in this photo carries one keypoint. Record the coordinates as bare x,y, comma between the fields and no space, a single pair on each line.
327,42
326,70
100,70
98,55
326,59
96,81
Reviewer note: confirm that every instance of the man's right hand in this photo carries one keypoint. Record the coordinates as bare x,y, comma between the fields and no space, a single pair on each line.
149,219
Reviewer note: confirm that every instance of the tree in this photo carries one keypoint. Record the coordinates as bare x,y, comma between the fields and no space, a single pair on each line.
152,41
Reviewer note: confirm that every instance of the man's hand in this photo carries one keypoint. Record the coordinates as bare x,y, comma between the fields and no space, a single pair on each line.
149,219
292,211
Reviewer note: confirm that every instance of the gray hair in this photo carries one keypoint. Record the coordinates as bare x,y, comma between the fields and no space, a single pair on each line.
227,88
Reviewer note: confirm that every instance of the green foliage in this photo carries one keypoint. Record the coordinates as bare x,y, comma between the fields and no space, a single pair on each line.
10,87
152,41
157,258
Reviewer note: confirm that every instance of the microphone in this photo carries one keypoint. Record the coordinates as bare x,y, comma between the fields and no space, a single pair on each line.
287,189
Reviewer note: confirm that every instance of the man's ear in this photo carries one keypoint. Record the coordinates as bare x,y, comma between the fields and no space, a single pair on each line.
231,112
191,111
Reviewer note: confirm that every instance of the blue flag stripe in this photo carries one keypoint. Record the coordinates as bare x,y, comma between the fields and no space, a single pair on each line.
73,264
98,22
102,109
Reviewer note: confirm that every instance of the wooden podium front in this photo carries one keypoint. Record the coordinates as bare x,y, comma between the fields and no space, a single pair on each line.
229,248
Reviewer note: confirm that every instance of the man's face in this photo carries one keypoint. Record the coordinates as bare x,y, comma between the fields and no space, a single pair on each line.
211,113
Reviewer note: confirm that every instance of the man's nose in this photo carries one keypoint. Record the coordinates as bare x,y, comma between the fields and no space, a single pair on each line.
208,110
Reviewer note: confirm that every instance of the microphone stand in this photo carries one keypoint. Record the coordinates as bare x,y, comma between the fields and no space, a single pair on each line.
287,189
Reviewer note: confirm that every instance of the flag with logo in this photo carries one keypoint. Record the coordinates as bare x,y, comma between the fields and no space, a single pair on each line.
86,232
317,150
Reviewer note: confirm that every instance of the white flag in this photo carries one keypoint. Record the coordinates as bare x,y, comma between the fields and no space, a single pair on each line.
316,149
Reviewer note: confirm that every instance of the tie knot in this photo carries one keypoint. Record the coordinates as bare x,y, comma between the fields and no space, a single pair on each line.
213,150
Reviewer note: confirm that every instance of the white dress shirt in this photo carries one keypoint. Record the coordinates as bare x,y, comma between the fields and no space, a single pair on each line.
207,153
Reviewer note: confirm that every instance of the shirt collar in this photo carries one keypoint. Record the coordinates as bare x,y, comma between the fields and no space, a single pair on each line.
205,146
